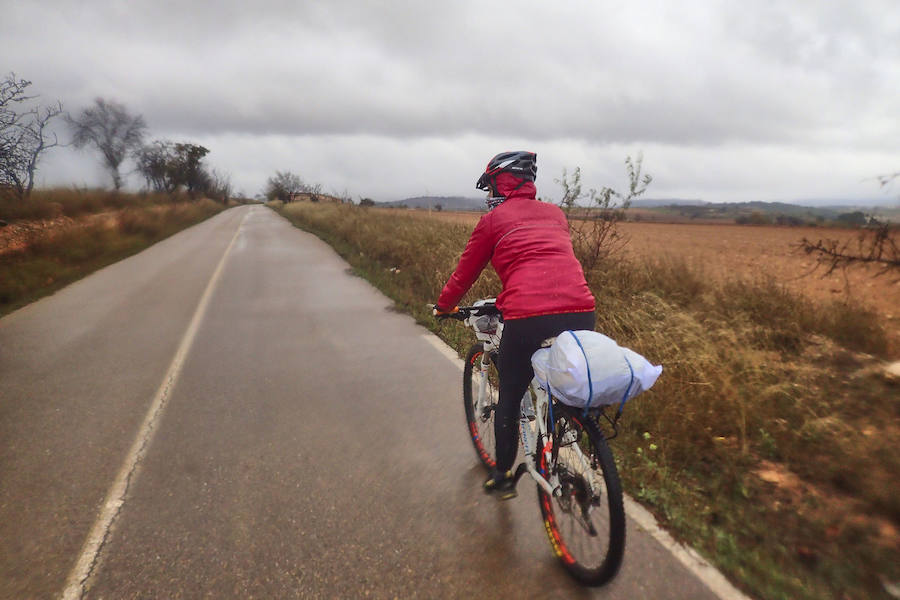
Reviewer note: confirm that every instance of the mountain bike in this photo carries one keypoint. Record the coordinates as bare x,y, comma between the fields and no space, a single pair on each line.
566,453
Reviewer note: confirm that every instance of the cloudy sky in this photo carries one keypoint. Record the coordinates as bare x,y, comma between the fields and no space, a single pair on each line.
727,100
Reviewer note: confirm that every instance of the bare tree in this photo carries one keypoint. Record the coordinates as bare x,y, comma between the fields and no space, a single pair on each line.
221,188
284,186
23,136
344,196
314,191
885,180
878,244
37,140
154,163
593,216
111,129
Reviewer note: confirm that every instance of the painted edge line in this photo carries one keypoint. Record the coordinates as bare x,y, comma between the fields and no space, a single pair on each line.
687,556
444,349
115,498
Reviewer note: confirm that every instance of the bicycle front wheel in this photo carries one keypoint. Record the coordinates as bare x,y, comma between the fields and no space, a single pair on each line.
481,384
585,521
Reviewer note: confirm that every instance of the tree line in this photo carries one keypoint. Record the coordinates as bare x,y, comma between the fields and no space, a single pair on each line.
107,127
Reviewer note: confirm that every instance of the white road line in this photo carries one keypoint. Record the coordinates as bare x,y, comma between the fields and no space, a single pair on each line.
686,555
115,498
696,564
444,349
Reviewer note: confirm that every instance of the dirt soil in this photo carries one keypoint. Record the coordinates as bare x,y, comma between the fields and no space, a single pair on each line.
18,235
752,251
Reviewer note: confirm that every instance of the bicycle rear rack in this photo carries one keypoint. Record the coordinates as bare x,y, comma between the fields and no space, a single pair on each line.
613,421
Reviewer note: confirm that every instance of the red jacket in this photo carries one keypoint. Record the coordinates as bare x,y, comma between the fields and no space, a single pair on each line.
527,242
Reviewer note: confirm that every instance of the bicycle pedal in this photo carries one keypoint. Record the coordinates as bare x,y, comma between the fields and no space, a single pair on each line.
508,495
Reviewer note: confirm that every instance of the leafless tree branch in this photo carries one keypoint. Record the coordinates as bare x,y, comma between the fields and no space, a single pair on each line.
23,136
876,245
112,130
593,216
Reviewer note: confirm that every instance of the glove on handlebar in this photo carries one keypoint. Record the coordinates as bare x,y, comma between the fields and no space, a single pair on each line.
441,313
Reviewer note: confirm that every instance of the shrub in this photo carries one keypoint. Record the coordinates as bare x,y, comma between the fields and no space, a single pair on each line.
754,218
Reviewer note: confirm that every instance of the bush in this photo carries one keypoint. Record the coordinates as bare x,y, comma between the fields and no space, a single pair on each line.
69,202
754,218
852,219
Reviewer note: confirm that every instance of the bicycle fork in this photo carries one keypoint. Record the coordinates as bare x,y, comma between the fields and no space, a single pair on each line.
484,367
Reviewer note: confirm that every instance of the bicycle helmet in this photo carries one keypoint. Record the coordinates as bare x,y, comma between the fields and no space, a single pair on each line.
520,164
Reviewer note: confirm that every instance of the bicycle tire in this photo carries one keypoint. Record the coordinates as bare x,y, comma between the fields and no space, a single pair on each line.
596,561
480,426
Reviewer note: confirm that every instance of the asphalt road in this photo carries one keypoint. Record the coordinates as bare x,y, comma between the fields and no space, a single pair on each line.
309,441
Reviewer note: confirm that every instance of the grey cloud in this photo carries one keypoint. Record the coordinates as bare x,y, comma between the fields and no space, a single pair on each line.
699,78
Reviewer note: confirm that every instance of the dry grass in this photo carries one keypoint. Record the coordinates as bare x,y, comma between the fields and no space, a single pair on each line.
53,257
757,253
74,202
767,442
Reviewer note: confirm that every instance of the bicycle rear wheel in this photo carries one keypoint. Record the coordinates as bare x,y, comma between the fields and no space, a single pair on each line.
480,409
586,522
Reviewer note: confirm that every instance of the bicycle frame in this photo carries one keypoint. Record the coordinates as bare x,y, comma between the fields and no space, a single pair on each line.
529,431
565,453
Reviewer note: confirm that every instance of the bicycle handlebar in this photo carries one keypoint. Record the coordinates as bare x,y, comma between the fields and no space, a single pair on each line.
464,312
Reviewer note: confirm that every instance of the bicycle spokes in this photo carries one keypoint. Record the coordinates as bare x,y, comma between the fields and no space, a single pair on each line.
480,398
583,515
578,499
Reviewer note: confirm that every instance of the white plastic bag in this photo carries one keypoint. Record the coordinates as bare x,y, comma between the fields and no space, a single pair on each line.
616,374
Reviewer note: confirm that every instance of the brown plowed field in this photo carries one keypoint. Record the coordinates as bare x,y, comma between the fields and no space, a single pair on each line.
725,251
742,251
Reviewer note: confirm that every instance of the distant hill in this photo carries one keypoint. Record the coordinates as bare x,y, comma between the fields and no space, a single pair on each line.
845,204
657,202
782,213
735,210
446,202
837,205
691,209
464,203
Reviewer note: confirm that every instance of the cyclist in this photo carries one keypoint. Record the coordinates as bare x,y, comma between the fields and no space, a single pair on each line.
544,290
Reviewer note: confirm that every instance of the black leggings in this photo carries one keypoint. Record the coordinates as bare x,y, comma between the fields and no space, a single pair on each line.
521,338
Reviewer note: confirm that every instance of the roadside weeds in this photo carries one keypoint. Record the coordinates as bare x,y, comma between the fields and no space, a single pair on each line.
47,259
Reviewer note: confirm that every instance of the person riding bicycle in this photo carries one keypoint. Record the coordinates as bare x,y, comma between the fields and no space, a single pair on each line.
544,290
